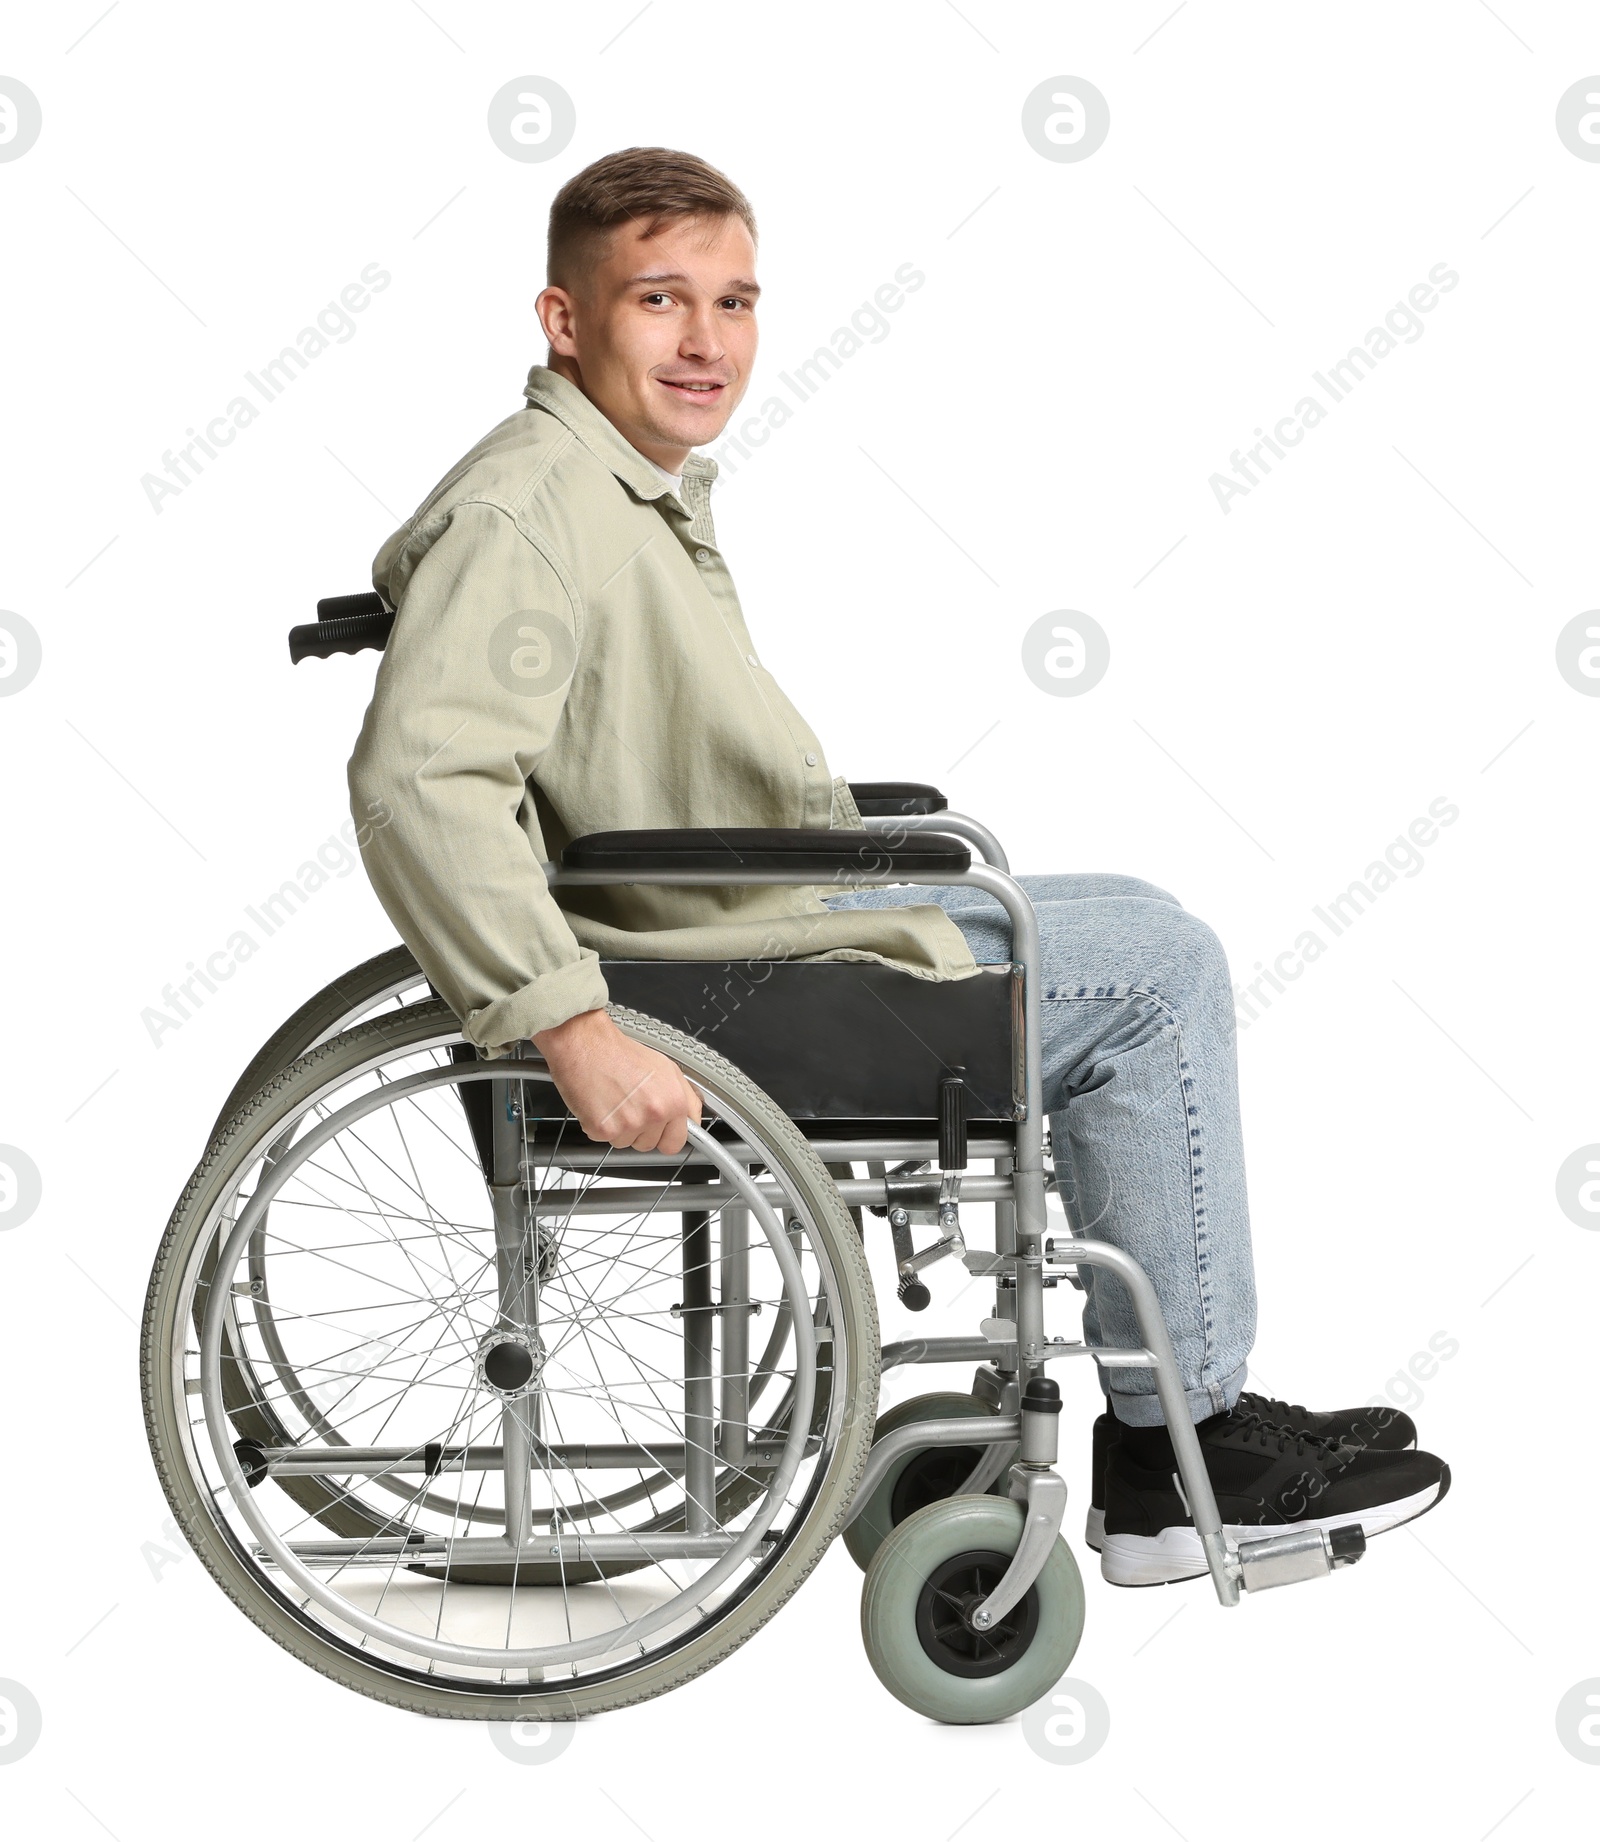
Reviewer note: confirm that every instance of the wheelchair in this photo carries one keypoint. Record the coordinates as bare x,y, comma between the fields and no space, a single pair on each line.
486,1420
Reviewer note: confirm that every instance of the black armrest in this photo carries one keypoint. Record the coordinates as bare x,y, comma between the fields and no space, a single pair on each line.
819,853
890,799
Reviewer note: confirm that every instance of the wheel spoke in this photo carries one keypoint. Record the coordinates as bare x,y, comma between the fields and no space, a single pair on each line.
364,1303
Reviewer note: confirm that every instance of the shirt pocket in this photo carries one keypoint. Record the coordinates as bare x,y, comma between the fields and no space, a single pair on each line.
845,815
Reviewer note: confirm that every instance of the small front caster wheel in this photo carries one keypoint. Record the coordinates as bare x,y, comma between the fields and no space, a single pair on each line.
927,1578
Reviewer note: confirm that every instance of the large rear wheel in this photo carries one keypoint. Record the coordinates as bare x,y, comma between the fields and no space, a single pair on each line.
526,1375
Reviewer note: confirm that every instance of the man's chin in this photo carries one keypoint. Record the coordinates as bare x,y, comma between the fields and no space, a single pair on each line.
693,428
696,431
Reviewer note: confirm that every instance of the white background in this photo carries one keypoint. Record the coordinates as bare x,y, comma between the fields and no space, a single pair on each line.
1372,628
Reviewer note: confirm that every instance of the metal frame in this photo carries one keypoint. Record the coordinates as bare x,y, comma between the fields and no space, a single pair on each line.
717,1406
1019,1194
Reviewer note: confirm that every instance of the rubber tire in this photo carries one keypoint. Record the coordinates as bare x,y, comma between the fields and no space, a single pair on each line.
895,1580
873,1522
166,1408
348,996
353,992
853,1210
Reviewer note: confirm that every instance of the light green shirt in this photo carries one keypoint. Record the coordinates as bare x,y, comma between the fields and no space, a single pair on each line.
569,656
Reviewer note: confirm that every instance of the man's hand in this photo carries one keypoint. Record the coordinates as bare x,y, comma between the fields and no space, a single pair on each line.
621,1093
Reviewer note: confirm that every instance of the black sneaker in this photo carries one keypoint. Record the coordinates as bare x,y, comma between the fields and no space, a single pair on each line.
1267,1479
1375,1429
1378,1429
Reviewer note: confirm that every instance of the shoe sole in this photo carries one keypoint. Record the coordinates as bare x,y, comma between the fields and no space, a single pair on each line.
1175,1554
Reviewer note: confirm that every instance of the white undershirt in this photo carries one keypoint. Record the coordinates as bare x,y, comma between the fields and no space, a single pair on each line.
674,480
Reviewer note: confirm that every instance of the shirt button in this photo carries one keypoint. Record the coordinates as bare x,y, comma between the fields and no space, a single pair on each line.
750,660
811,761
702,556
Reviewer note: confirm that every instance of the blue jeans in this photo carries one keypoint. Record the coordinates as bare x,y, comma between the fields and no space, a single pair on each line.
1141,1088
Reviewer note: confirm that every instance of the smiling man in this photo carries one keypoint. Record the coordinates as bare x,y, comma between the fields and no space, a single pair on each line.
569,656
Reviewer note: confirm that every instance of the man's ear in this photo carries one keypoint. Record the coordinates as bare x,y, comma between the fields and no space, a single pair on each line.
557,311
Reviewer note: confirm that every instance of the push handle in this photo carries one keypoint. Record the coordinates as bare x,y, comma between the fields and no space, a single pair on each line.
355,633
344,623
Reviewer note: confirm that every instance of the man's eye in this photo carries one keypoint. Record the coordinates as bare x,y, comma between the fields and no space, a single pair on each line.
655,297
733,300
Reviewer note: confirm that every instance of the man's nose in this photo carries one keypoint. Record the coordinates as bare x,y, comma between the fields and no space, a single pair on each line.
702,337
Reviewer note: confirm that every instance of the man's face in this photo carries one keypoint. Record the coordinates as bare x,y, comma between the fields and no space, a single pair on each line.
661,334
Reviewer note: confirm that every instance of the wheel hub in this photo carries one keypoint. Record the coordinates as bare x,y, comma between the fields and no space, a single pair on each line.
510,1363
949,1597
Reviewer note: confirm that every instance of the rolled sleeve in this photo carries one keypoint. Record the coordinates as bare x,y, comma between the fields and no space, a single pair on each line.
470,692
541,1004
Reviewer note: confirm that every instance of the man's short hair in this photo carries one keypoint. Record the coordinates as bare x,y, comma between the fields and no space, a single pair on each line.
640,185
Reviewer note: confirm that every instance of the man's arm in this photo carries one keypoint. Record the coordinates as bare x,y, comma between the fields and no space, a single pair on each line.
470,691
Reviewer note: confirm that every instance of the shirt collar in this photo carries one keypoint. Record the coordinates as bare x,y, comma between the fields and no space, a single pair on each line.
549,390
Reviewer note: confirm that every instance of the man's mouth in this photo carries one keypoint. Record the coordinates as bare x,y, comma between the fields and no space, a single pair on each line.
694,390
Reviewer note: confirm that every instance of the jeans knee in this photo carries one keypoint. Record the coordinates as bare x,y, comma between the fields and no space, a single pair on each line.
1195,976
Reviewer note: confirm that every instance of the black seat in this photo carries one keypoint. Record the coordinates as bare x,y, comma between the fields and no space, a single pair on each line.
840,1039
827,1039
847,1048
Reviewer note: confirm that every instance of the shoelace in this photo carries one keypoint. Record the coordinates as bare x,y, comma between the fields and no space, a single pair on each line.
1280,1412
1255,1427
